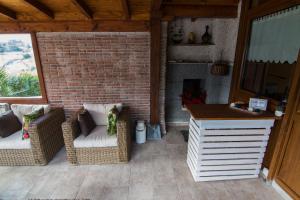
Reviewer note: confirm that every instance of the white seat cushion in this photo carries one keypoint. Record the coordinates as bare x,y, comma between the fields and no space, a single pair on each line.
22,109
99,112
4,107
97,138
15,141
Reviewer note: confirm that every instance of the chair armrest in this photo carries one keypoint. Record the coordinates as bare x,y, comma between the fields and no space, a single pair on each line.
71,130
46,130
124,135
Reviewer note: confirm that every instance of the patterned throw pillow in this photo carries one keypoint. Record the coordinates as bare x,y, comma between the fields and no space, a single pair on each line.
27,119
112,121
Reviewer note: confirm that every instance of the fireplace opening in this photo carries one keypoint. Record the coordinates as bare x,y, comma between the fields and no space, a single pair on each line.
193,92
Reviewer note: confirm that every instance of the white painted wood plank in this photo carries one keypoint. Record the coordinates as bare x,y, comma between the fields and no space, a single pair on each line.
194,158
195,152
193,172
228,167
233,150
194,145
192,155
236,132
233,144
230,162
234,138
234,124
193,138
227,151
191,164
219,178
196,128
193,121
230,156
194,133
228,173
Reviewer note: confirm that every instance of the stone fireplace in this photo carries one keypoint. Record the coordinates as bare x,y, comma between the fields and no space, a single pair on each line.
193,92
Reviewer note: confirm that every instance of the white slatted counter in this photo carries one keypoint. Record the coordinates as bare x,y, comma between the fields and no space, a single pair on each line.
227,149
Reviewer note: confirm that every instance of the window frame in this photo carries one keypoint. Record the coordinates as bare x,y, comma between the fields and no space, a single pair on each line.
31,100
249,13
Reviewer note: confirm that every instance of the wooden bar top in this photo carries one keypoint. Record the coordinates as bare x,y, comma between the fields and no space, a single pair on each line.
223,112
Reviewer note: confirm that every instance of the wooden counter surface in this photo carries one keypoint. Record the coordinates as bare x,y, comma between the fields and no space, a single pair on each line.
223,112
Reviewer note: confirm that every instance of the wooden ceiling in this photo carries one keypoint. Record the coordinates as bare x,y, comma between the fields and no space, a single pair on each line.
81,10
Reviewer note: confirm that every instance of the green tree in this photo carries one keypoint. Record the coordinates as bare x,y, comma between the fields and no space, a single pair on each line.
24,85
4,90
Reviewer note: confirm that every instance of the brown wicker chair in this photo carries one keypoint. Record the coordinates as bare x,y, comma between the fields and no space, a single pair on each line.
98,155
46,140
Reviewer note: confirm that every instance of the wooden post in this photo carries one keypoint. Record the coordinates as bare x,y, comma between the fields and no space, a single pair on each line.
155,66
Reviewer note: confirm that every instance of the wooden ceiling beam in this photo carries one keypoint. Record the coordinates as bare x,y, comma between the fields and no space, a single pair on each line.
199,11
8,13
84,8
126,10
75,26
202,2
41,8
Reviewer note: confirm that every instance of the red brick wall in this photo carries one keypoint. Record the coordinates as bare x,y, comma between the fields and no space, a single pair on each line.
97,68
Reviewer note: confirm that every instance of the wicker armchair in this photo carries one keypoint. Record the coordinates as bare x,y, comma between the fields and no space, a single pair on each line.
98,155
46,139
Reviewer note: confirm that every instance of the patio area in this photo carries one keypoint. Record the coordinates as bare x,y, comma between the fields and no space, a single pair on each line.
157,170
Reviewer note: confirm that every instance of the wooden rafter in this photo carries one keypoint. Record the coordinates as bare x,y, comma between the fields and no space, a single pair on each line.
41,7
76,26
199,11
202,2
84,8
8,12
125,8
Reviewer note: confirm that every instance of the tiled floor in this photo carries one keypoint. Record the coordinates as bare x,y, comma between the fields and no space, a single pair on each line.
158,170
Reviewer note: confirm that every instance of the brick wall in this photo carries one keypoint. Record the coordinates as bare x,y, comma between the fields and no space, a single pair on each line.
97,68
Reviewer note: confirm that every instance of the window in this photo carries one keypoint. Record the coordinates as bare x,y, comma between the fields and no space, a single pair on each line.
20,71
272,54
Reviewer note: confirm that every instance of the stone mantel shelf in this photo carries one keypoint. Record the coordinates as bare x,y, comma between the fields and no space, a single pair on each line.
192,45
190,63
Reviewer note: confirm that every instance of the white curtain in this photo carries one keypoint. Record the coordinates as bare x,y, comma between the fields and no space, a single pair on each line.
276,37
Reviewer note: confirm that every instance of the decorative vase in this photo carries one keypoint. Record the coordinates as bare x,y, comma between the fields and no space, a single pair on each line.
177,38
192,38
206,37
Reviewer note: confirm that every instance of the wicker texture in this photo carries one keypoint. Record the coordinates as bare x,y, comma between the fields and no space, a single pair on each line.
98,155
46,140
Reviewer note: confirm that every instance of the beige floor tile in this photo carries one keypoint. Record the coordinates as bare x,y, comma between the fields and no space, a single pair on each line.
90,189
157,170
141,192
141,172
70,184
115,193
166,192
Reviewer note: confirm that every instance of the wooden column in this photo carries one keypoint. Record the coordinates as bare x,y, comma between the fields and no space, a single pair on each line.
155,68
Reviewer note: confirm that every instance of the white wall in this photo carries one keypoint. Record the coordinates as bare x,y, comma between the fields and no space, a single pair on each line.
224,35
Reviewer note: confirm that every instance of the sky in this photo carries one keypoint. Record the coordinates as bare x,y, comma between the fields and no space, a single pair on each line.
26,38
